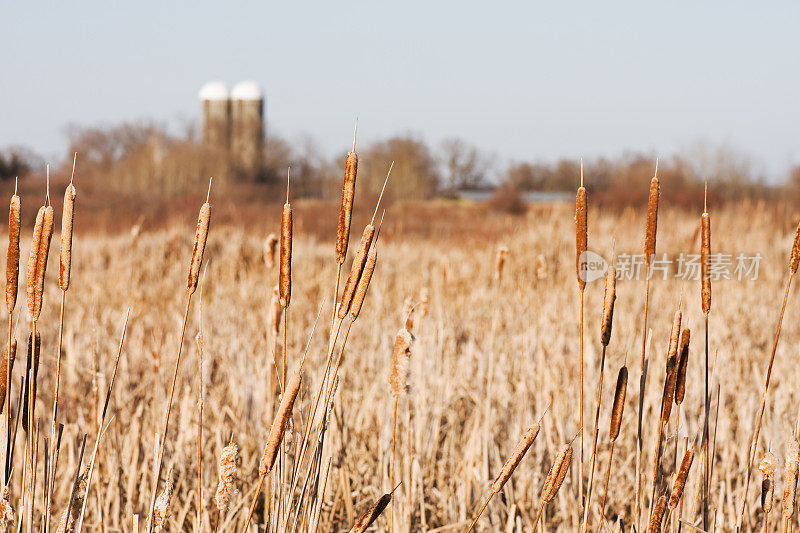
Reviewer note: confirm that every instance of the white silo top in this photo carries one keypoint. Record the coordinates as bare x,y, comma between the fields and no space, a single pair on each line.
214,90
246,90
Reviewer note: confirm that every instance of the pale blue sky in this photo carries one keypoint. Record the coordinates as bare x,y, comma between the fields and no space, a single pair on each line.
523,80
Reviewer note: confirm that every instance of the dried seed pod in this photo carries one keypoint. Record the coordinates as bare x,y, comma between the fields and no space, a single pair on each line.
794,257
619,404
680,479
363,283
652,221
37,263
6,510
228,468
279,425
285,274
371,514
555,478
705,252
161,511
790,478
6,367
200,238
768,465
355,271
270,246
500,261
657,516
683,363
669,389
674,335
513,461
398,379
346,207
67,217
581,237
609,297
12,259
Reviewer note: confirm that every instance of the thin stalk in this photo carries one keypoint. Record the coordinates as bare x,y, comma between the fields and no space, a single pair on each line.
593,458
637,504
9,458
394,460
580,407
608,476
706,456
49,488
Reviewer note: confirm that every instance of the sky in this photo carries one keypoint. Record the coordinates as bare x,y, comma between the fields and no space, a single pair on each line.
520,80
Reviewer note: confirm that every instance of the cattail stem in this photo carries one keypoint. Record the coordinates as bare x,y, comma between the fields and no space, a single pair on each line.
605,485
642,382
580,400
707,454
593,456
394,460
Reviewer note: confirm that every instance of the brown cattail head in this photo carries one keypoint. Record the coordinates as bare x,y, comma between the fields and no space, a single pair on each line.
519,452
6,367
398,379
794,257
680,479
285,273
555,478
669,389
67,217
705,253
683,364
790,477
500,261
228,468
37,263
581,237
200,238
658,515
161,511
270,247
6,510
371,514
12,259
652,221
674,335
355,271
346,208
768,465
609,297
363,283
619,403
279,424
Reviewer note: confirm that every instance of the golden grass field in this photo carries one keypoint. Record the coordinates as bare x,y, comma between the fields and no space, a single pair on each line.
487,360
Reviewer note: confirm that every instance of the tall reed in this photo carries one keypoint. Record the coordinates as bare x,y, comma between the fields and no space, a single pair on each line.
705,296
581,247
617,408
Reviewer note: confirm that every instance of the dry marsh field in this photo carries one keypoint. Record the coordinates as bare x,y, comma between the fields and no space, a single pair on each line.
449,400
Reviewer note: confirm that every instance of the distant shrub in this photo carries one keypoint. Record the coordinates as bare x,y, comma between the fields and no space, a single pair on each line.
508,199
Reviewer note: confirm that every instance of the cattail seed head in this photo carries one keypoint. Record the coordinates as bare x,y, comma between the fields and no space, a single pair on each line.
794,257
768,465
790,477
355,271
581,237
270,247
683,364
609,297
346,208
401,353
680,479
161,511
500,261
658,515
279,425
67,217
371,514
6,367
275,311
669,389
228,469
285,274
652,221
515,458
37,263
674,335
363,283
200,238
12,259
705,252
555,478
71,514
6,510
619,403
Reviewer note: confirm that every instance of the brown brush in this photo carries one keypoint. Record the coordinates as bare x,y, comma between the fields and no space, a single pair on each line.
616,422
372,514
554,479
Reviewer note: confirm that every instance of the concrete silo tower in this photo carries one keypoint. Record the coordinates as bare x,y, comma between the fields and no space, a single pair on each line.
214,98
247,126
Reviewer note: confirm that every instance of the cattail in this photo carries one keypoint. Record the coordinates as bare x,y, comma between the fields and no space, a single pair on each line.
794,257
619,403
67,217
363,283
658,515
790,478
6,510
285,274
669,389
500,262
680,479
514,459
5,369
652,221
581,237
408,309
400,358
371,514
229,461
555,478
162,510
609,297
37,263
674,335
346,208
270,246
275,310
424,302
356,270
71,514
768,465
705,252
683,363
12,259
200,237
279,425
29,395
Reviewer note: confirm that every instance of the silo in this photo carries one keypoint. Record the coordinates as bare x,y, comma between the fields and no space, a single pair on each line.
247,126
216,115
